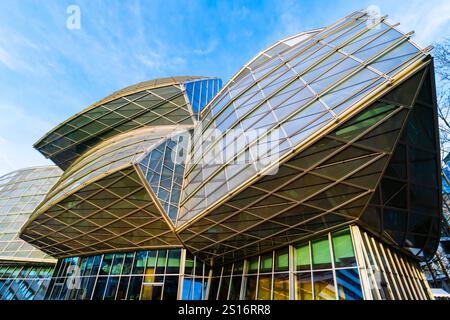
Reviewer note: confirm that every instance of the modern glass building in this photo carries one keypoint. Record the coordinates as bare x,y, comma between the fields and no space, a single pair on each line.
313,174
25,271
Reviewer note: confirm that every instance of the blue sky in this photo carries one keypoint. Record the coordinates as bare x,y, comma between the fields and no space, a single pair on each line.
48,72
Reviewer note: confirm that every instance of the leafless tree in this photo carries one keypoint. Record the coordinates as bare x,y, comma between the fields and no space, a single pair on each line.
441,54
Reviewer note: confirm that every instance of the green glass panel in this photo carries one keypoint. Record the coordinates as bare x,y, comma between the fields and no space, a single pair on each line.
139,262
364,120
117,264
344,255
282,260
161,258
174,259
302,258
151,259
253,265
266,263
106,264
321,254
189,264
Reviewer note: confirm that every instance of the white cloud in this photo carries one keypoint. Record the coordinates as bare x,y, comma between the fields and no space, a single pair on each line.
7,60
210,48
159,62
430,21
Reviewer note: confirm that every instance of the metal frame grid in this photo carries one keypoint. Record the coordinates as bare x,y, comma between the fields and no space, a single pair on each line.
348,56
324,186
21,192
164,168
106,205
153,103
406,207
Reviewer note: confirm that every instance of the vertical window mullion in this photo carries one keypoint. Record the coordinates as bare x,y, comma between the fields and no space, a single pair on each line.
333,267
96,277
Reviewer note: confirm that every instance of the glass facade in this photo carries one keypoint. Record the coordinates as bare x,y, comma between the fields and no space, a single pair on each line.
323,269
21,192
24,282
164,170
141,275
347,264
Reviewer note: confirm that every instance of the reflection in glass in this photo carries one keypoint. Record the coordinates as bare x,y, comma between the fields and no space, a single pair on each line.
348,284
324,288
281,286
250,288
264,286
303,286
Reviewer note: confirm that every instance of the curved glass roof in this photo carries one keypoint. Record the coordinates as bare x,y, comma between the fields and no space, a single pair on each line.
112,155
288,98
118,195
21,192
151,103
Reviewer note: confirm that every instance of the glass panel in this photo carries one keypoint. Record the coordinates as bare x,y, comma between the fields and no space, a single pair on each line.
161,263
266,263
264,287
250,288
170,287
281,286
321,254
106,264
122,289
117,264
303,286
344,255
235,288
100,288
173,262
135,288
324,288
111,288
348,284
224,286
138,267
302,258
151,292
253,265
282,260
